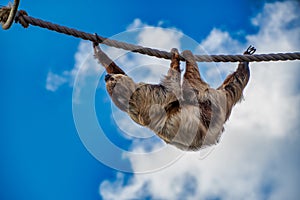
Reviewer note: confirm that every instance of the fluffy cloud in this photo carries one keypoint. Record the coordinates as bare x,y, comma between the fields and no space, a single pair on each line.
54,81
83,60
258,156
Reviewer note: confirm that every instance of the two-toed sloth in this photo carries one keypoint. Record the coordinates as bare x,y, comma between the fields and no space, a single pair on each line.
189,115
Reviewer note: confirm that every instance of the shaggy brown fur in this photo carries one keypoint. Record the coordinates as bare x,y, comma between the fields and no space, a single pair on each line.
190,115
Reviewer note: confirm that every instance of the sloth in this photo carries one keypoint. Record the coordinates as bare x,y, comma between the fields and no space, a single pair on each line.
188,114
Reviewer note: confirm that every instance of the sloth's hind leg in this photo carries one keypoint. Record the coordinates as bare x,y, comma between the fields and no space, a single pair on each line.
193,84
235,83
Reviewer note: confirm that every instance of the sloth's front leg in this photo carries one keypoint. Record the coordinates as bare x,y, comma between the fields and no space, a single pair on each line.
110,66
175,60
172,81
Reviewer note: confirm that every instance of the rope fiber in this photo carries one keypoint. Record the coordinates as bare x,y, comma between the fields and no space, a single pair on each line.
25,20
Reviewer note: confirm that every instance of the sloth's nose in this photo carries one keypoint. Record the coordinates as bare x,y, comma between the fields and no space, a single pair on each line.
107,76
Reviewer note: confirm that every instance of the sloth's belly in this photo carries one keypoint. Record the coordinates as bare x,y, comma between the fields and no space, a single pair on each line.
184,128
188,127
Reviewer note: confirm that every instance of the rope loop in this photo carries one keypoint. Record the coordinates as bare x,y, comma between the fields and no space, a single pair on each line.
8,19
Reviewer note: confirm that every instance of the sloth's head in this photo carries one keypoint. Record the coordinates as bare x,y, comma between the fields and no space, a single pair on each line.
120,87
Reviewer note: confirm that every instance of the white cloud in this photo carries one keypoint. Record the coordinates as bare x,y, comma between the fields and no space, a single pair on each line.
83,61
54,81
258,156
220,42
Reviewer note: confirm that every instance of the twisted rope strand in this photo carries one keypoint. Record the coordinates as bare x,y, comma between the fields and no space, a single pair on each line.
25,20
11,15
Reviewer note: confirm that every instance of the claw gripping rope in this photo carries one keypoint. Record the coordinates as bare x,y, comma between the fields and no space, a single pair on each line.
9,13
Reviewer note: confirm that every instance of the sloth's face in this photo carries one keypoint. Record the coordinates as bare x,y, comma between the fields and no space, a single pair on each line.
112,79
119,84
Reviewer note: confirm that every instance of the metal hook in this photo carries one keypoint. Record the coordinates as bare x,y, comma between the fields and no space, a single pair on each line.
12,15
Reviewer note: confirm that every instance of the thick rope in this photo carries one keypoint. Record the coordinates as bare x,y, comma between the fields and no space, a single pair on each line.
25,20
11,15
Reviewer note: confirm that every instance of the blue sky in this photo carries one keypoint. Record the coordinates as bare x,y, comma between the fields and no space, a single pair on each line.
43,150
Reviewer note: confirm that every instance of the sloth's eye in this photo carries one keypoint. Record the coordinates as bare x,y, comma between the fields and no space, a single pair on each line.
111,78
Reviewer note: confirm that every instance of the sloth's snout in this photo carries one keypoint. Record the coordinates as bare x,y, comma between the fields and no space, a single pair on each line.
107,76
